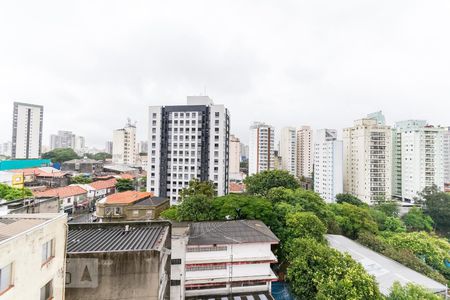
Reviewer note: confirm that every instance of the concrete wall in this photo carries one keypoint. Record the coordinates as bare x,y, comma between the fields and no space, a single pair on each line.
42,206
120,275
25,253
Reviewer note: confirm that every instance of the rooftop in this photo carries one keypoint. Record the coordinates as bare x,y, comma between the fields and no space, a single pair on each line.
230,232
15,224
62,192
119,168
127,197
23,163
103,184
110,237
40,172
385,270
83,161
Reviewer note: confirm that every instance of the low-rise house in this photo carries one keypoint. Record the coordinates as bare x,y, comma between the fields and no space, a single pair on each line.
130,206
70,197
221,259
121,261
30,206
84,166
12,179
120,169
100,188
32,256
47,176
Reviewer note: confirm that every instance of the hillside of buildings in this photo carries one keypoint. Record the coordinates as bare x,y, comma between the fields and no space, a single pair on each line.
301,219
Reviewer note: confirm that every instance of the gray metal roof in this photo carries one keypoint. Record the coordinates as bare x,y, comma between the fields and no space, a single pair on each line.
230,232
152,201
110,237
385,270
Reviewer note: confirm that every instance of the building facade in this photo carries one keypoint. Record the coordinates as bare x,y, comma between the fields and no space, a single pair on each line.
27,130
288,150
418,158
368,160
447,156
224,258
305,155
32,256
124,145
186,142
109,147
328,169
261,148
235,155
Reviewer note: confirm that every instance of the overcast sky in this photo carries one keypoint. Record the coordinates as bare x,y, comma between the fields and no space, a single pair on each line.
93,64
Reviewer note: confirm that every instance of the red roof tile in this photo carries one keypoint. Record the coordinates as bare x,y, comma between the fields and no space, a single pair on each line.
237,187
127,197
126,176
62,192
39,172
103,184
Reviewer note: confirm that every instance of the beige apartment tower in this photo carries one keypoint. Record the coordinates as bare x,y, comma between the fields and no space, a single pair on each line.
305,156
368,160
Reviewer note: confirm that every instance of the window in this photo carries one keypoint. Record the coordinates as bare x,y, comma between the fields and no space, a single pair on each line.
117,210
207,249
48,251
135,212
47,291
175,282
176,261
5,278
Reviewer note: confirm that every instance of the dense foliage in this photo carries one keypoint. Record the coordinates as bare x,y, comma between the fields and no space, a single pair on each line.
123,185
349,198
60,155
300,218
99,156
197,187
437,206
80,179
9,193
261,183
410,292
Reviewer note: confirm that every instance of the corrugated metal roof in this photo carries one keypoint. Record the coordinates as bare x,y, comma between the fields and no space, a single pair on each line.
23,163
230,232
110,237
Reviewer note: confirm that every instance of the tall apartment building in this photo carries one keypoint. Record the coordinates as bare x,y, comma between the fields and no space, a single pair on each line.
109,147
288,150
418,158
32,256
447,156
27,130
244,152
368,160
328,169
124,145
261,148
142,147
186,142
305,155
235,155
5,148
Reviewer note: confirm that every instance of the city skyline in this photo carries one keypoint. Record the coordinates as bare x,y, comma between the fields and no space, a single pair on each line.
359,56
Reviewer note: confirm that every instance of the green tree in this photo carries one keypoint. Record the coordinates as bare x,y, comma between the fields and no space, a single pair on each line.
9,193
60,155
416,220
394,224
123,185
319,272
99,156
350,199
196,208
242,206
437,206
170,214
261,183
353,219
197,187
390,208
305,225
410,292
80,179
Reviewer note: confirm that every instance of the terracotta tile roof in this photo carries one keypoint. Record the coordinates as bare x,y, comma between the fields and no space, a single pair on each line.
40,172
103,184
62,192
126,176
237,187
127,197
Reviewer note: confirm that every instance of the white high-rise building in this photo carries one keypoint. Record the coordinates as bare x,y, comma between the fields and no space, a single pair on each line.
109,147
261,148
244,152
447,156
142,147
288,150
63,139
186,142
124,145
5,148
418,160
80,144
235,155
305,156
368,160
328,171
27,130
